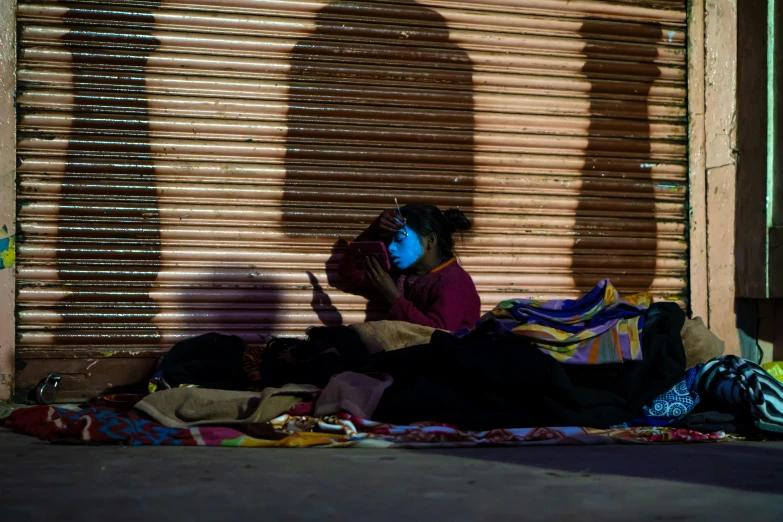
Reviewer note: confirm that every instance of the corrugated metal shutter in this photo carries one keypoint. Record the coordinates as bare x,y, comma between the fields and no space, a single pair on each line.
188,165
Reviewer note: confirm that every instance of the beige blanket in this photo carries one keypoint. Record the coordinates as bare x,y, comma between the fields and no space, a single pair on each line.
183,407
385,336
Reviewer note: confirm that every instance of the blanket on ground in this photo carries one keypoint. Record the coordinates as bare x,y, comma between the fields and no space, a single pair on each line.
599,328
356,393
181,407
8,409
107,425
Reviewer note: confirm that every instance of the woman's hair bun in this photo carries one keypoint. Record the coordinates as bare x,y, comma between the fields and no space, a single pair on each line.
458,220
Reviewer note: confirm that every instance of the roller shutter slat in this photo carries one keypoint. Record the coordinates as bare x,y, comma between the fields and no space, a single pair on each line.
189,166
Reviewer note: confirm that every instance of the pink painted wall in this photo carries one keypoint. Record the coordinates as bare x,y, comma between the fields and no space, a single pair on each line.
7,194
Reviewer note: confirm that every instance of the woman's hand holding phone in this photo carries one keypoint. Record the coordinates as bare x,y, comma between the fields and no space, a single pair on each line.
381,280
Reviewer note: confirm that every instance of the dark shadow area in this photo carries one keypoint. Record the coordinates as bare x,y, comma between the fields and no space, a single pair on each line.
760,321
755,269
750,203
618,148
376,111
94,232
776,232
328,314
737,465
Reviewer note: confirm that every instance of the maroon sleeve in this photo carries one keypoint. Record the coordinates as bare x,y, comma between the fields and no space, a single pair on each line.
456,304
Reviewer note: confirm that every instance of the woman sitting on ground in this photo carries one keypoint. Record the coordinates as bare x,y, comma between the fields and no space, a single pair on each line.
426,285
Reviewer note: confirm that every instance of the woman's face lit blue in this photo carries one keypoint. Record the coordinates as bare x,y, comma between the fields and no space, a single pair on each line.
405,250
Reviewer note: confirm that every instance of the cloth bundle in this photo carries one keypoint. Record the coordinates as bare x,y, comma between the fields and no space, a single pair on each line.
182,407
701,345
599,328
740,383
386,336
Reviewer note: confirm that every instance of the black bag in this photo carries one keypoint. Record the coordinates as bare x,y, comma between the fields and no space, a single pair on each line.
211,360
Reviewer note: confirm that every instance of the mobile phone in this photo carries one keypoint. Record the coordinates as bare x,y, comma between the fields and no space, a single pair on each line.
375,249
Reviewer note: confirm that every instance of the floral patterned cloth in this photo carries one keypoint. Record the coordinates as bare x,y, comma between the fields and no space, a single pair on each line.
108,425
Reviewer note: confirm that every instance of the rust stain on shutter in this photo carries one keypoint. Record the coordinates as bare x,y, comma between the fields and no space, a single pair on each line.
191,165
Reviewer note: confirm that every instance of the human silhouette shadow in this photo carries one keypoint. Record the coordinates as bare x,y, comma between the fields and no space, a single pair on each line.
615,105
376,111
92,162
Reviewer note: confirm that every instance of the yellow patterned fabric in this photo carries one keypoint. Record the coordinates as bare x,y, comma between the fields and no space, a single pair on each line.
599,328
